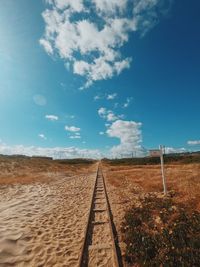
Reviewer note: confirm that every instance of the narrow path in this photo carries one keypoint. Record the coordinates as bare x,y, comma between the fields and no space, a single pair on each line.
99,248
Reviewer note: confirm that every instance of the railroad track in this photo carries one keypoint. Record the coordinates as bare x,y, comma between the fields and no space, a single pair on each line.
99,247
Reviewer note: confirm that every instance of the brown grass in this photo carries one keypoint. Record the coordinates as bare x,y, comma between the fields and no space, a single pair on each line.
136,194
26,170
183,179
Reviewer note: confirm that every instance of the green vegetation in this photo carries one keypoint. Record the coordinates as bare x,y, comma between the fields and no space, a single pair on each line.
158,233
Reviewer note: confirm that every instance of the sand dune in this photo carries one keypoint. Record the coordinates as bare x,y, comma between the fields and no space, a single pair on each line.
43,224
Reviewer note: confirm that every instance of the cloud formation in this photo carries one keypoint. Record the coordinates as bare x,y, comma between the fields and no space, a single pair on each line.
130,136
56,152
127,103
88,35
72,128
111,96
42,136
51,117
108,115
193,142
171,150
74,132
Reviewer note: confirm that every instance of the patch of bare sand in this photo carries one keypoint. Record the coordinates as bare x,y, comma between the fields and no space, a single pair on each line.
42,224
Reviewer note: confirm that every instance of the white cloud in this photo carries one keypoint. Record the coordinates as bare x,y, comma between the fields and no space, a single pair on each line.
127,103
97,97
102,112
56,152
47,46
169,150
147,13
75,5
193,142
108,114
101,133
108,7
51,117
130,136
106,96
42,136
111,116
88,36
72,128
75,137
111,96
70,116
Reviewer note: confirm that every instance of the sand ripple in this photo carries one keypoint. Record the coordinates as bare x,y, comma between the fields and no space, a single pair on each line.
43,224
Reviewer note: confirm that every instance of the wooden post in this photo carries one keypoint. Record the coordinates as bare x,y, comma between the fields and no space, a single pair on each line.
162,170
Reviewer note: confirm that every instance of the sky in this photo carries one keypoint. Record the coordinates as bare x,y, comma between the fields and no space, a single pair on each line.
97,78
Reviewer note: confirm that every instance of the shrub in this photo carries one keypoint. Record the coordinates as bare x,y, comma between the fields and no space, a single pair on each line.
158,233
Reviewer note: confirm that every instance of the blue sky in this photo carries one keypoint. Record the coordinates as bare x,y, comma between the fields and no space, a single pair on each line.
84,78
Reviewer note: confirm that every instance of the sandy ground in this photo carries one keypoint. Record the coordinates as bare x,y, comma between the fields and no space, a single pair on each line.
42,223
44,205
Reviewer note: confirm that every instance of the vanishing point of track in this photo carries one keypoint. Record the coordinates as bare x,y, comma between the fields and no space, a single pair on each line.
99,247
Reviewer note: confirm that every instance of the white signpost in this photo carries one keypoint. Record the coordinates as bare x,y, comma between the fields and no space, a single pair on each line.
159,153
162,170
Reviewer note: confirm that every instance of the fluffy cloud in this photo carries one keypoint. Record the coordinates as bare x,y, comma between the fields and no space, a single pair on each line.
88,36
127,103
129,134
193,142
56,152
108,114
169,150
110,7
76,135
42,136
146,13
111,96
97,97
72,129
51,117
105,96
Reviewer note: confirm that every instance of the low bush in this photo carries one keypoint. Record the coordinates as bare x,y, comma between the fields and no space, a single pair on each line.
158,233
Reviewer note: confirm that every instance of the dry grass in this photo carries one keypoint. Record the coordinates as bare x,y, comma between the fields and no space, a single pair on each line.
152,228
26,170
183,179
